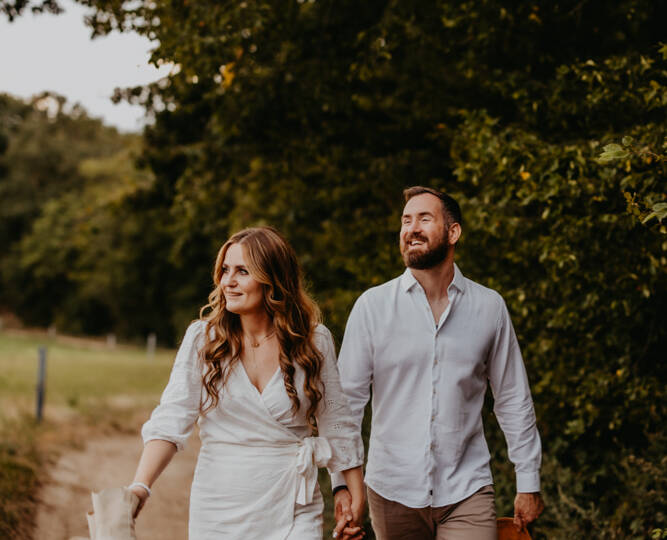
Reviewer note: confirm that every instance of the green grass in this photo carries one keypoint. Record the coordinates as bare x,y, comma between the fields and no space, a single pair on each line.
80,375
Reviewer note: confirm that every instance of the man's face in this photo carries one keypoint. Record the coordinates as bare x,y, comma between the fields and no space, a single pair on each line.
424,234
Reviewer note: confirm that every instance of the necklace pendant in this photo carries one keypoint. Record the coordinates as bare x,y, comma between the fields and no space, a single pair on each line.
255,344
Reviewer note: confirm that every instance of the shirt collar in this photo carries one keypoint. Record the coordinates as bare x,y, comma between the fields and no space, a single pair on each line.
408,280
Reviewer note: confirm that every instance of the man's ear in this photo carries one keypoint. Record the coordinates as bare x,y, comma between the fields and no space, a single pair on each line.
454,233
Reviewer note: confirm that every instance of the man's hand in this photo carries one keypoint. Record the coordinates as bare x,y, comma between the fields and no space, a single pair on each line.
527,508
347,523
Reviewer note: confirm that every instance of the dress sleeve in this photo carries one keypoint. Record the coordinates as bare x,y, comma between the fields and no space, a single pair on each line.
173,419
334,420
355,365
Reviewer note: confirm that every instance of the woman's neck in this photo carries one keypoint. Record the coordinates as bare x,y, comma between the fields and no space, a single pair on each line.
256,325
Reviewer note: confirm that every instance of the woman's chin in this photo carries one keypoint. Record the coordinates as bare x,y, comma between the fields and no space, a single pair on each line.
237,310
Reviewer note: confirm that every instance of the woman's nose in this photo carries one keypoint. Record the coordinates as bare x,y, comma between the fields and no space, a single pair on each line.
228,279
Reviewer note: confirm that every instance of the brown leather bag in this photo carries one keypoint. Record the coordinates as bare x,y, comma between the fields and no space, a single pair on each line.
508,531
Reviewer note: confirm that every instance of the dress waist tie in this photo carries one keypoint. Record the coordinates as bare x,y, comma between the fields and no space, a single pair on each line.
313,452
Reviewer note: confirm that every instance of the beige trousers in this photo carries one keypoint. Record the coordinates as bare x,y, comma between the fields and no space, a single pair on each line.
473,518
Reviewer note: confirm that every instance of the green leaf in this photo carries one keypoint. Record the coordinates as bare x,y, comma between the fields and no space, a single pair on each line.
663,50
659,211
611,152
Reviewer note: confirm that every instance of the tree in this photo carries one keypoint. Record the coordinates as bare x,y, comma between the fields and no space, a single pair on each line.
312,116
45,143
15,8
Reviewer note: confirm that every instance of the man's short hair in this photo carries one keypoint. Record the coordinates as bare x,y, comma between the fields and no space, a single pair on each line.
450,208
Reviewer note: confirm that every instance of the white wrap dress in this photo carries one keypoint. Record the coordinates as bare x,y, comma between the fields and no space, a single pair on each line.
256,475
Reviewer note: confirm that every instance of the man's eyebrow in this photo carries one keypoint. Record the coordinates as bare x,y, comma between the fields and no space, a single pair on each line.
419,214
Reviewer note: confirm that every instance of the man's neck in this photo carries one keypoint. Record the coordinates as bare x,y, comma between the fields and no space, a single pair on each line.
436,280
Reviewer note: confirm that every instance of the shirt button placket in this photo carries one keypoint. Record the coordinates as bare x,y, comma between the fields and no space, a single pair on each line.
434,378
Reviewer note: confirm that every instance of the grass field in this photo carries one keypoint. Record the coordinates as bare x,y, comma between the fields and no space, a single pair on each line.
79,373
90,388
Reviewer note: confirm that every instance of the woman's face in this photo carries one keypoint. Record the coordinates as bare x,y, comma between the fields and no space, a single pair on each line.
243,293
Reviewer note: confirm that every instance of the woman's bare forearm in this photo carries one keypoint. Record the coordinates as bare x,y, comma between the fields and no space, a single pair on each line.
156,456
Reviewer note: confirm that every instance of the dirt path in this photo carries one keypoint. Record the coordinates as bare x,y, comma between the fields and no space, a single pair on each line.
110,462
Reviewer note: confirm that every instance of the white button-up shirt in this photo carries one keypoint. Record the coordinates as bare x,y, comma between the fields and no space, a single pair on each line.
427,445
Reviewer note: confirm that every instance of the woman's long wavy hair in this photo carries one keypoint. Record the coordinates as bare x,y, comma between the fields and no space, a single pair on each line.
273,263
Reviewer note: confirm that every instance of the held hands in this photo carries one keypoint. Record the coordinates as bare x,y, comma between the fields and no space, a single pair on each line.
527,508
348,514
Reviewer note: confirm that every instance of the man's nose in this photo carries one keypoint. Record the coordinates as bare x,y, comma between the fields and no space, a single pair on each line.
414,227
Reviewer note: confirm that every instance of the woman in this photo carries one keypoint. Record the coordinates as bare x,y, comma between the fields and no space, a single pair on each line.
259,375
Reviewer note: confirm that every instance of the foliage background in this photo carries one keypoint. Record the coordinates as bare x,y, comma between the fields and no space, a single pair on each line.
313,116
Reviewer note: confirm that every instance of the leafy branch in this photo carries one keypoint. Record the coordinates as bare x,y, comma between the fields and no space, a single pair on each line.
638,206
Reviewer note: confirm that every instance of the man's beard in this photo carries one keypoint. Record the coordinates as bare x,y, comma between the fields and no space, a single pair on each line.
423,260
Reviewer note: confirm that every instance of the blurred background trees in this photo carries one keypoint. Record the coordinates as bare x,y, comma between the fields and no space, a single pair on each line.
312,116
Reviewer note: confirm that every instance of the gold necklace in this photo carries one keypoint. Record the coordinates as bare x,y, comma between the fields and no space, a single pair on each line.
254,343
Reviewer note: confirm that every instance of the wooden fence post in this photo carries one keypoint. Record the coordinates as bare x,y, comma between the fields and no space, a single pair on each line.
41,381
151,343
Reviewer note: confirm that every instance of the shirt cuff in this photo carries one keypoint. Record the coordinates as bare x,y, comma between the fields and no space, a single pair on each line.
528,482
337,489
337,479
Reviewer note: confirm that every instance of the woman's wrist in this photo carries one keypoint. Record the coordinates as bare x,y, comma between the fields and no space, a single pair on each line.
142,485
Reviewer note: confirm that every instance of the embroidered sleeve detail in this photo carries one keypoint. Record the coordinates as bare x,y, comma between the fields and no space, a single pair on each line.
334,419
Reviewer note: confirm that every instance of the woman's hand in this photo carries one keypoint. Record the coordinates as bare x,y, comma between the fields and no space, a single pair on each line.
142,495
349,506
358,507
348,514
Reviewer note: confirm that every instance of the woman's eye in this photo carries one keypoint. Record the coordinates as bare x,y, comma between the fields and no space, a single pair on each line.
224,269
244,272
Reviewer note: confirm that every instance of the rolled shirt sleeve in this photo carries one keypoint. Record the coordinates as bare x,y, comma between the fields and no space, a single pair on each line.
513,405
174,418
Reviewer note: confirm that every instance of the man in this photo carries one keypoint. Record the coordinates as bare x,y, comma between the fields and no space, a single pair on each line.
427,342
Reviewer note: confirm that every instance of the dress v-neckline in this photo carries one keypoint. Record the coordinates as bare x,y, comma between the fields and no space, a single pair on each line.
268,383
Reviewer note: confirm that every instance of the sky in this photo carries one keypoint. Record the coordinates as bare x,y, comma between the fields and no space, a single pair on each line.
55,52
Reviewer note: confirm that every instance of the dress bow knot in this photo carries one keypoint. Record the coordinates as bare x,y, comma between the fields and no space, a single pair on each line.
313,452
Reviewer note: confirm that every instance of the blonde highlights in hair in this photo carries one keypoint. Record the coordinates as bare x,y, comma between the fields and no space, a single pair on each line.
272,262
